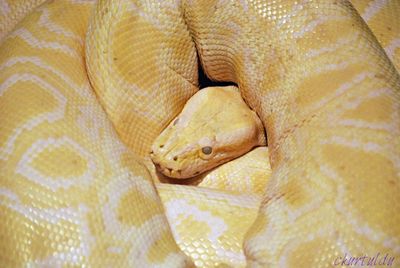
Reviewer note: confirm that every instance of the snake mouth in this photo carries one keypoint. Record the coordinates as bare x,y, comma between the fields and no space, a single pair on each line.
172,173
169,168
169,172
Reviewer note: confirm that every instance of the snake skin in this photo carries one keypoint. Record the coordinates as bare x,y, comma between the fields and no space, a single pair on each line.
85,88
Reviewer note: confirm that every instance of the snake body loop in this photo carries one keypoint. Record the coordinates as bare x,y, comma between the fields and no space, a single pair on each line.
87,86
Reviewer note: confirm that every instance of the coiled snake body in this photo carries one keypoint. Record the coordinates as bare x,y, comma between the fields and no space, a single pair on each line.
86,87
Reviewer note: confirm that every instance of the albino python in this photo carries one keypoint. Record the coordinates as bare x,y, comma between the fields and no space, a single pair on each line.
86,87
214,127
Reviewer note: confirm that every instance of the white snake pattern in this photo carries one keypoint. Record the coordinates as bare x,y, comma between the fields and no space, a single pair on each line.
85,87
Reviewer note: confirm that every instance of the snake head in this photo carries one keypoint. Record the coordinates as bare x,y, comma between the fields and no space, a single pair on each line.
214,127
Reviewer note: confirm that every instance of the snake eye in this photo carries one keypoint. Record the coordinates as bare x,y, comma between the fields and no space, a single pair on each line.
207,150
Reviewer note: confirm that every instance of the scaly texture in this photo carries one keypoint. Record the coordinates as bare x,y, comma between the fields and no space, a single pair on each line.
13,11
249,173
211,232
66,197
214,127
76,126
382,17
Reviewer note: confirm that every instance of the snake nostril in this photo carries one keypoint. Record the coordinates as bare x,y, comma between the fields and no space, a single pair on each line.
175,158
161,145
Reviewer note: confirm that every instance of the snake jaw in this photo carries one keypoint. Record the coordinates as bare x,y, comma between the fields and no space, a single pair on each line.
172,169
182,159
171,159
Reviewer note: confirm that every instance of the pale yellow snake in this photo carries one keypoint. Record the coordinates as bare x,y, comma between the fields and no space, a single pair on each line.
86,87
